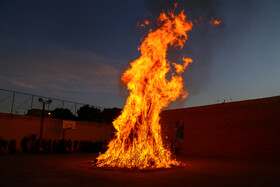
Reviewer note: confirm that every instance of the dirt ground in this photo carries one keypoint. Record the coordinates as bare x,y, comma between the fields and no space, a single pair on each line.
72,170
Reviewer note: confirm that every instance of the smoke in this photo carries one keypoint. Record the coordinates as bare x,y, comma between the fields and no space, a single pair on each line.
198,47
194,8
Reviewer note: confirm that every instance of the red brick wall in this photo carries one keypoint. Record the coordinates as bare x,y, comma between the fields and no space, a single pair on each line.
248,129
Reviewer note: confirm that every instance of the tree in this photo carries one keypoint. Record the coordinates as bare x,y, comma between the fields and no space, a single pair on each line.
87,113
110,114
63,113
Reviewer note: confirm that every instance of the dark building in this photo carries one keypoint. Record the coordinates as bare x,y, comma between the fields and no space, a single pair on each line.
38,112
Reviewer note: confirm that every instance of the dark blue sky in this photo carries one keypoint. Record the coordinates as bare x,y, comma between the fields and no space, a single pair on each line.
77,50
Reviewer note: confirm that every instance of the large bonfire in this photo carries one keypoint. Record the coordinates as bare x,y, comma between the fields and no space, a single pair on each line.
138,142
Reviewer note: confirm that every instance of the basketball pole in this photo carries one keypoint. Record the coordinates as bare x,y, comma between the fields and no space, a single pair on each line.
41,100
42,119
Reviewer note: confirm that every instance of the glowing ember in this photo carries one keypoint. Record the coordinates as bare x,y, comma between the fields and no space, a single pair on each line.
215,22
138,142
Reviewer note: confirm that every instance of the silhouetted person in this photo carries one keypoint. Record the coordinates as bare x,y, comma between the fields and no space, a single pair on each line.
37,146
76,145
81,146
3,146
12,146
48,146
69,145
23,144
32,143
43,146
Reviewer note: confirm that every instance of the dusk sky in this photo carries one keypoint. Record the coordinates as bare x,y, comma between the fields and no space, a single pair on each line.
77,50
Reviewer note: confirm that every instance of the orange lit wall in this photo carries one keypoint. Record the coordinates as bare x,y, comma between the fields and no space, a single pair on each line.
248,129
18,126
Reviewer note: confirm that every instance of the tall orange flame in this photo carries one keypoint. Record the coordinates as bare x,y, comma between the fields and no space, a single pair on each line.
138,142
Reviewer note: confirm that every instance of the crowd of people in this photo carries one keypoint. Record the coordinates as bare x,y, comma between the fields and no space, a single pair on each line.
39,146
7,146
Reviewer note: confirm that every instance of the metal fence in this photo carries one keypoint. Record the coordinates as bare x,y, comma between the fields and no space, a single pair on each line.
20,103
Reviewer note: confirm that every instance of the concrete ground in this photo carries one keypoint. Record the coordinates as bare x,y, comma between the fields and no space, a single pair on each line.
72,170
